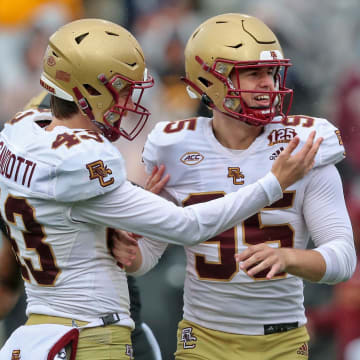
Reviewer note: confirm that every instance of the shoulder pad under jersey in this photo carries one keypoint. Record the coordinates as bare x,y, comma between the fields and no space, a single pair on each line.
91,168
65,164
32,114
166,135
331,150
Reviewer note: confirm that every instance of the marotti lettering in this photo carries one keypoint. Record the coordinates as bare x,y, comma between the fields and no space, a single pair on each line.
3,162
12,161
14,167
20,161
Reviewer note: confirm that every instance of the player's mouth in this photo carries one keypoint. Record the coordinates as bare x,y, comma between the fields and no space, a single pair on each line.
262,100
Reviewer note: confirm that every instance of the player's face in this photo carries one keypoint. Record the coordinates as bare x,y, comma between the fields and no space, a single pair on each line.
126,117
125,98
255,80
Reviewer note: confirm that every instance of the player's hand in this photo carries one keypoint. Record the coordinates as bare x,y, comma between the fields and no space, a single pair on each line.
290,168
124,247
257,258
156,181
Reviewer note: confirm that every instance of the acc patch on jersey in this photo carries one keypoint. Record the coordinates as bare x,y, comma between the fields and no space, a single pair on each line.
192,158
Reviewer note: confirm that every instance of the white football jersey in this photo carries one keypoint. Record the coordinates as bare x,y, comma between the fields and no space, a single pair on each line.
41,174
61,189
217,294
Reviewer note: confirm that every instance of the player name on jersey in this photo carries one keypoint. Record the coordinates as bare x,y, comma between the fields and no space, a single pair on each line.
14,167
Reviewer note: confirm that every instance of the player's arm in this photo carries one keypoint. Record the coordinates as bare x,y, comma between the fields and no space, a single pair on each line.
137,210
333,259
10,279
329,224
139,255
307,264
126,251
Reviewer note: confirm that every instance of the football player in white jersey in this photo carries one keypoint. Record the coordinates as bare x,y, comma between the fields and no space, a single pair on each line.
243,294
9,276
63,185
143,341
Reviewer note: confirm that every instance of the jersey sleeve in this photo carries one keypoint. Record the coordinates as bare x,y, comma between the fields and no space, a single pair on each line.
151,252
331,150
150,149
136,210
328,222
90,170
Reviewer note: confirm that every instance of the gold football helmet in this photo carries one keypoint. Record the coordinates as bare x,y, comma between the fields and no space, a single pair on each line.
90,61
225,44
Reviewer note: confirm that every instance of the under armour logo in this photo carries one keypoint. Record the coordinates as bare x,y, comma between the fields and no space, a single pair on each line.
186,337
303,350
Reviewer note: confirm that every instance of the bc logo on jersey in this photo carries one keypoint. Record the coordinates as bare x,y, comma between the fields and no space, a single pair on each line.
188,336
237,176
129,351
98,170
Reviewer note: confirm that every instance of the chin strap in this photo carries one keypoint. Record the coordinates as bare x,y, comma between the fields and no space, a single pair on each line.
84,106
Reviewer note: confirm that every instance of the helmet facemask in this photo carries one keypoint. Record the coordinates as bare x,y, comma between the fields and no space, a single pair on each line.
233,102
216,53
126,117
235,105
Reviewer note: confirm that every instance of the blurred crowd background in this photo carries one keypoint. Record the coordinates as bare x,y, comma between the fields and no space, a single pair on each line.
323,40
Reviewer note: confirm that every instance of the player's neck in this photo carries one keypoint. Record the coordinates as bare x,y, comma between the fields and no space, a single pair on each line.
78,121
232,133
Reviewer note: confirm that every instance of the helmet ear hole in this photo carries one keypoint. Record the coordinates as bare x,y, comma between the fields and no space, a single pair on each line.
205,82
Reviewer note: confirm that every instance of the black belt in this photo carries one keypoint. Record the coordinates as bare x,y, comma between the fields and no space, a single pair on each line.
278,328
